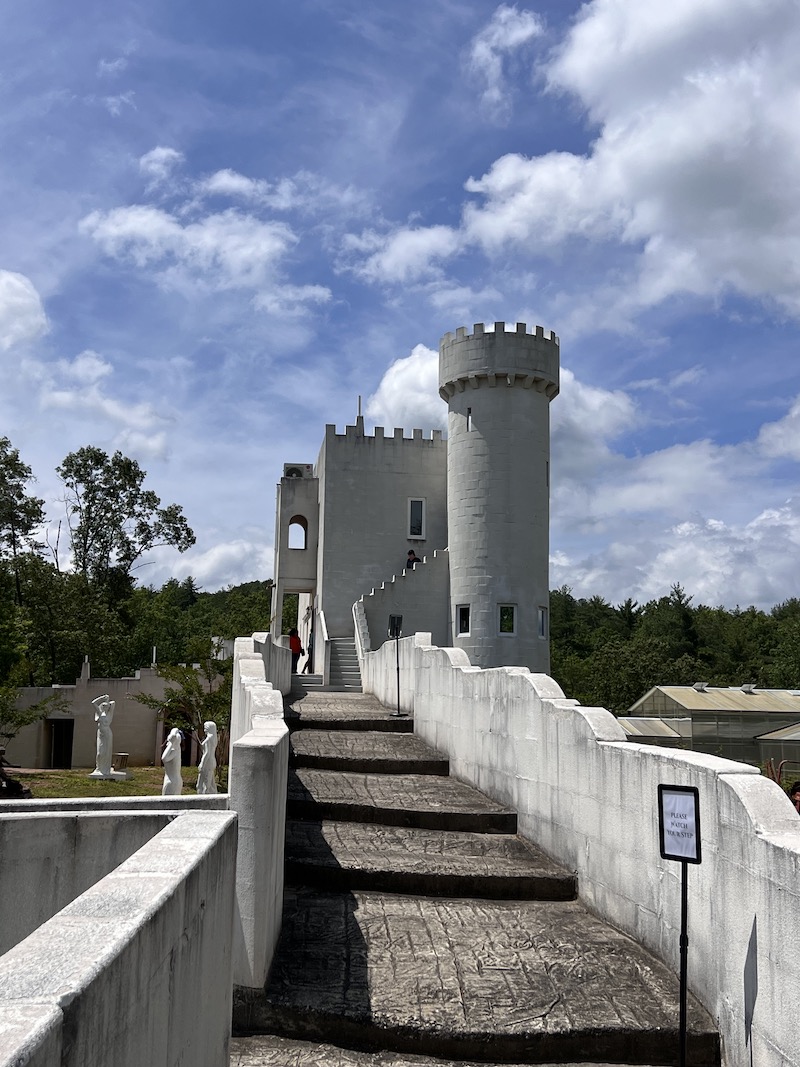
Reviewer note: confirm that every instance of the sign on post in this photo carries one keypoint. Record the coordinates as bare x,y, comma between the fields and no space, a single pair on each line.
679,833
679,822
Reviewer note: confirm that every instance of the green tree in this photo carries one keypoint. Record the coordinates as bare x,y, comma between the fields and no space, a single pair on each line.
671,619
628,613
113,520
234,612
783,671
66,619
20,513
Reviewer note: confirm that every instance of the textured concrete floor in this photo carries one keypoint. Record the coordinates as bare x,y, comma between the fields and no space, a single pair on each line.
404,934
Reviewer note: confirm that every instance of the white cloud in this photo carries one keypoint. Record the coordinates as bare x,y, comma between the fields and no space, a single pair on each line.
225,563
87,367
748,562
508,31
457,303
408,394
698,513
585,418
303,192
76,388
230,183
782,438
159,163
22,317
225,251
110,68
689,183
404,255
115,104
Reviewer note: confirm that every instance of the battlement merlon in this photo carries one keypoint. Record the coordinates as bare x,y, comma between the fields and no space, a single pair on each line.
380,435
512,357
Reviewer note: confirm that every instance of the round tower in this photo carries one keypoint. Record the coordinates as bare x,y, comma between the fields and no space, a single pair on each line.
498,387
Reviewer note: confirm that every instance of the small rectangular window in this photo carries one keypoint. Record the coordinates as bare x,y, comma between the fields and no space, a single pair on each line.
507,620
416,518
469,419
543,622
462,619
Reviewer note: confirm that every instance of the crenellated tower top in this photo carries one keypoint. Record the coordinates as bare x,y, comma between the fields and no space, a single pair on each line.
499,357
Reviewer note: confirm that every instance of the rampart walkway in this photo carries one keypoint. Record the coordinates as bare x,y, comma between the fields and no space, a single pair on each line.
417,925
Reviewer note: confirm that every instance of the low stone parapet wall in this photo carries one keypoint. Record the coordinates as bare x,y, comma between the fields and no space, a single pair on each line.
48,859
589,797
252,661
137,969
379,669
257,782
125,805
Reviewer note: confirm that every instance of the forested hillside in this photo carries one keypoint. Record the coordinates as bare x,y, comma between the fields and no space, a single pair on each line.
62,619
609,656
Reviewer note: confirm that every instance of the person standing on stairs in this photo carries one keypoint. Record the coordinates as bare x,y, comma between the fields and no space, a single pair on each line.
295,647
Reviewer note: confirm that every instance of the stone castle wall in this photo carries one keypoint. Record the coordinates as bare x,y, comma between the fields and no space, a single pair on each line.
419,595
365,483
589,798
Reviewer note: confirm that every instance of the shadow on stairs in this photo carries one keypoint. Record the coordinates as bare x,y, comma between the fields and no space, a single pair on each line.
419,929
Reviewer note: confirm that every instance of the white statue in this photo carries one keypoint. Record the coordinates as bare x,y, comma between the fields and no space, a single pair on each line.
103,716
206,782
171,761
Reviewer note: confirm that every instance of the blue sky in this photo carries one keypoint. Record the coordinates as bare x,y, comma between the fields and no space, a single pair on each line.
223,223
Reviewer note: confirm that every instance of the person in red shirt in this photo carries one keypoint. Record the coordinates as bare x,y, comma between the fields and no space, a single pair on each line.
295,648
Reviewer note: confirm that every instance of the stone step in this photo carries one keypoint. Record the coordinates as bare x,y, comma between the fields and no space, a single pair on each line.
341,687
426,801
327,710
344,855
492,981
266,1050
376,752
386,724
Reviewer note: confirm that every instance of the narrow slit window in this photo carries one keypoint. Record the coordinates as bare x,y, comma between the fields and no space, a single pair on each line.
469,419
462,619
542,623
507,619
416,518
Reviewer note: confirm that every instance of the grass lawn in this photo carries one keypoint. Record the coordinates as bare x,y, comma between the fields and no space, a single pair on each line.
146,781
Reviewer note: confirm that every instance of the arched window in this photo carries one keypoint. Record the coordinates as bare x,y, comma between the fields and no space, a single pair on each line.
298,532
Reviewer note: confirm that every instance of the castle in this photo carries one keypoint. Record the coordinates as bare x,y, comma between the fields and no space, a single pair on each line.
108,961
474,507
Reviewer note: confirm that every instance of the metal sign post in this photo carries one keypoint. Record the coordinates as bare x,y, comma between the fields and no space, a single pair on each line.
679,839
396,631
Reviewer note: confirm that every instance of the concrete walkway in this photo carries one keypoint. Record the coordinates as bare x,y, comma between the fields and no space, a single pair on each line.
417,925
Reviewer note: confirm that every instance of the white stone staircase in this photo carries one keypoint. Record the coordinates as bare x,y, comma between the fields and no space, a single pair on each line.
345,674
